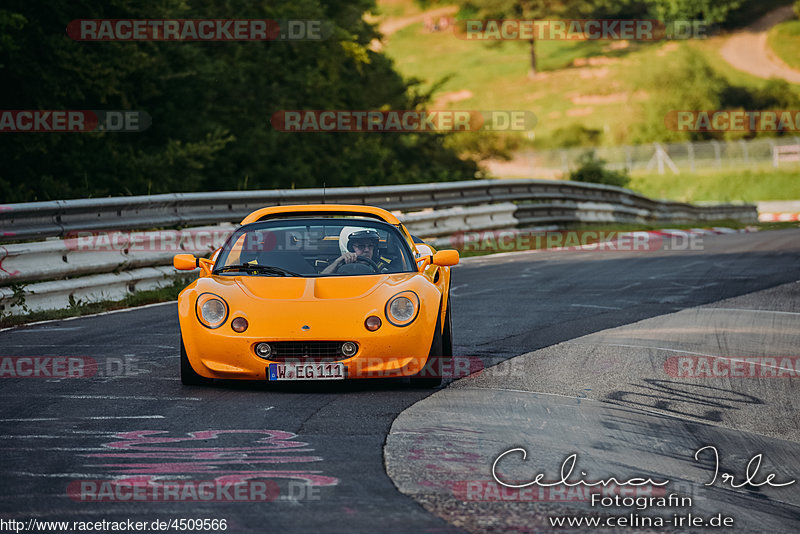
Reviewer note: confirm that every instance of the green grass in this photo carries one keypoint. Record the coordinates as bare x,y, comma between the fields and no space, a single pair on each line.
784,39
721,186
399,8
140,298
777,225
496,77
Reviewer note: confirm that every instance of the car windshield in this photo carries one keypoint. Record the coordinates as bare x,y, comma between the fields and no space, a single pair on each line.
315,247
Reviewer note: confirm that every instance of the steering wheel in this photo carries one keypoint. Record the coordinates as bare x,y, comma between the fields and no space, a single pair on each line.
347,268
368,261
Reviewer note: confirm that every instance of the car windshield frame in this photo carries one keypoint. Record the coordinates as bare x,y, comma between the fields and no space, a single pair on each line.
222,268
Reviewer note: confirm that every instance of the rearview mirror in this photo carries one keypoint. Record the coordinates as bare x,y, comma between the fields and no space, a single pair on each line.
185,262
445,258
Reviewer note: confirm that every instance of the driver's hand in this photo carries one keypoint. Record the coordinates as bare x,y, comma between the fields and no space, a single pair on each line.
349,257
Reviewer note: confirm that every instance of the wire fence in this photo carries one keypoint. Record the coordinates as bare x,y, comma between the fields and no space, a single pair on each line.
779,152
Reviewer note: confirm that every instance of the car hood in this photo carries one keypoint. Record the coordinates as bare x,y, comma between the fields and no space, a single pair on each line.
321,288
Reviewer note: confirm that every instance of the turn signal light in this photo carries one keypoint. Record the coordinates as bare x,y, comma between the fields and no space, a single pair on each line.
372,323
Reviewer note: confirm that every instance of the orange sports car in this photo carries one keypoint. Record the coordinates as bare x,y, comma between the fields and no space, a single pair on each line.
317,292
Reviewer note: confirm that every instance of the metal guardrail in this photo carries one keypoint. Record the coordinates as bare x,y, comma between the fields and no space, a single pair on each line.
449,221
568,212
111,272
37,220
61,294
118,251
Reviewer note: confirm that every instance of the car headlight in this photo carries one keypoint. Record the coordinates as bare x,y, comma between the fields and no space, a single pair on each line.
212,311
402,309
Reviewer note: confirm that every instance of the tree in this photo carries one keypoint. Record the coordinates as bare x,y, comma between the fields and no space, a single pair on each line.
536,10
210,103
710,11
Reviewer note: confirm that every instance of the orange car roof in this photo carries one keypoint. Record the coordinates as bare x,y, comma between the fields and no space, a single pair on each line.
320,209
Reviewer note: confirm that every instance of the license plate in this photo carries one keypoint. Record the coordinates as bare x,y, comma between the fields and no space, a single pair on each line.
305,371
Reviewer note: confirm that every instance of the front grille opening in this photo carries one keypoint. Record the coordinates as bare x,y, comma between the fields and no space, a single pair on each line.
318,351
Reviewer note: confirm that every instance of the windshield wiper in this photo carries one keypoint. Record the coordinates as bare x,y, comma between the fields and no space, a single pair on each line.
254,268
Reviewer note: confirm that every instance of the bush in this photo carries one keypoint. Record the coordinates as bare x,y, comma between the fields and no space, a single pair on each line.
593,170
482,145
686,83
575,135
689,83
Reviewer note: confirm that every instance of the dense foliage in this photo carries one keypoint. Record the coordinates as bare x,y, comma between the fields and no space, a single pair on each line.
593,170
690,83
210,104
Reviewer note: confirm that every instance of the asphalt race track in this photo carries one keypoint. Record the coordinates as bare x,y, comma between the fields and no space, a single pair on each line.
321,447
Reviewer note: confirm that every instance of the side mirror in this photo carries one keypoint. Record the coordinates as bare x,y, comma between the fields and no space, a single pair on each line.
445,258
185,262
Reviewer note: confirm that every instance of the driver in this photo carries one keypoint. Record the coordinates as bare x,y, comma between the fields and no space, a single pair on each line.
362,243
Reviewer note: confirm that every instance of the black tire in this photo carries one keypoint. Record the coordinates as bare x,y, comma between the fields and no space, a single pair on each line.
188,375
440,354
447,334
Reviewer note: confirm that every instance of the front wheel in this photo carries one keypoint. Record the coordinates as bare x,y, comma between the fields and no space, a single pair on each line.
188,375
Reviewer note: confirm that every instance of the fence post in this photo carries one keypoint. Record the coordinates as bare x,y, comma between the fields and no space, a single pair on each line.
717,154
744,150
774,147
564,166
660,157
628,158
690,150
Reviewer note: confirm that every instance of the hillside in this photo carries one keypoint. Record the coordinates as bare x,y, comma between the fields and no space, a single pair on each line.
604,86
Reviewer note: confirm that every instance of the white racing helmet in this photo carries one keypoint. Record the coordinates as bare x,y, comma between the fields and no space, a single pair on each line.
349,234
